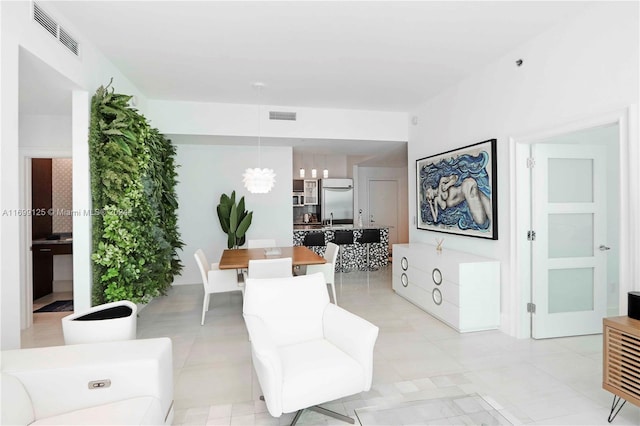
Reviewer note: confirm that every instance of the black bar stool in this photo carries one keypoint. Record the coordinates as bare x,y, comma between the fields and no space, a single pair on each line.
342,238
368,237
311,240
314,239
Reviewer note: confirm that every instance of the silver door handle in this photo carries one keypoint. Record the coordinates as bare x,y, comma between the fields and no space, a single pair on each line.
604,248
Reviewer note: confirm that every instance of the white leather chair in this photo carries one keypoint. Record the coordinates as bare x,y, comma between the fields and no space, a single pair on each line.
269,242
215,280
270,268
128,382
328,269
306,350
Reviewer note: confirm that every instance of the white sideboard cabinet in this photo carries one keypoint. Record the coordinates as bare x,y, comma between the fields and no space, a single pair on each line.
460,289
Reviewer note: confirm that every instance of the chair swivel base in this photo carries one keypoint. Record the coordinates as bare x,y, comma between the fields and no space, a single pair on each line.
324,411
320,410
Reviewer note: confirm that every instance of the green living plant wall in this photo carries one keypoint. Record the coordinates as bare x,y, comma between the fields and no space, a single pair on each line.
133,180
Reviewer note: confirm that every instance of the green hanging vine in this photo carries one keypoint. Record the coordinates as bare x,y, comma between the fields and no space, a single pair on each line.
133,179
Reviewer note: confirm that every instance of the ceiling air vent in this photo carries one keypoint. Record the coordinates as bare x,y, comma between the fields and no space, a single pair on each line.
282,115
48,23
68,41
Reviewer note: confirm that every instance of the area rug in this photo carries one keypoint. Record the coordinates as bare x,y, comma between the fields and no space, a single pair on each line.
469,409
57,306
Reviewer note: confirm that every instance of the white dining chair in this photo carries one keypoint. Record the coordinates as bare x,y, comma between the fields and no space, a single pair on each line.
264,243
270,268
215,280
328,269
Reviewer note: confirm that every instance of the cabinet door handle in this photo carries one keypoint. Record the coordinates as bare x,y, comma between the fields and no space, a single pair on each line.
44,249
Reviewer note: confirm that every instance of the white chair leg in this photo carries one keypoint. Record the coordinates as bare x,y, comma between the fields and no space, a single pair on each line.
333,289
205,307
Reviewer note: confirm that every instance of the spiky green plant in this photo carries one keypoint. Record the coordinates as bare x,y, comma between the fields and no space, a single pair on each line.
234,219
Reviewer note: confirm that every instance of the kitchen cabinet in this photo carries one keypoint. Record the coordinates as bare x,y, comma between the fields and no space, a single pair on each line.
310,192
298,185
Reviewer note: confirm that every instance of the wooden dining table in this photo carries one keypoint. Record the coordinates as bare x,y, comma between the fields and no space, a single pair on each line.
239,258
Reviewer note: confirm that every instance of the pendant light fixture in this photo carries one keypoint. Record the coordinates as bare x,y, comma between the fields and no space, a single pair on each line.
314,172
325,172
302,165
258,180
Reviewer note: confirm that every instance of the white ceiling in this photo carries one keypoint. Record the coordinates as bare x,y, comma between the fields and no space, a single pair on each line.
387,56
371,55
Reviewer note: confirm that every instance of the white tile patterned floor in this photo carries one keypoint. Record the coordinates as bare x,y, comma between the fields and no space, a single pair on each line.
458,410
537,382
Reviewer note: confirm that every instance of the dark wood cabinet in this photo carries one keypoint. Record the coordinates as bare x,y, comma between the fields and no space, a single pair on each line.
41,225
41,197
42,271
43,266
298,185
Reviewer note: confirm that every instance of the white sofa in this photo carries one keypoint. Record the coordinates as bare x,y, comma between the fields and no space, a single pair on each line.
111,383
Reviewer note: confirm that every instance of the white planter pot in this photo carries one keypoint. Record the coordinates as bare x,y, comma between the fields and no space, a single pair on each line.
102,323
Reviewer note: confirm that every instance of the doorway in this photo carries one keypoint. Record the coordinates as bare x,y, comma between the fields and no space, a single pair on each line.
383,206
568,232
51,239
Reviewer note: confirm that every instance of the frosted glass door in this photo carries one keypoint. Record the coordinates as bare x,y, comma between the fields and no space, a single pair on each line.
569,218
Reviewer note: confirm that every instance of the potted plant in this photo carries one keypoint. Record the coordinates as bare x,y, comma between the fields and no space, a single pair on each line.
234,219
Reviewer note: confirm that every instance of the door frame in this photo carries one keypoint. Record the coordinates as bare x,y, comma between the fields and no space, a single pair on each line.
520,210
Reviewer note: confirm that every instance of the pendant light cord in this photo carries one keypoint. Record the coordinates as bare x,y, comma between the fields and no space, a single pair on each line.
259,86
259,136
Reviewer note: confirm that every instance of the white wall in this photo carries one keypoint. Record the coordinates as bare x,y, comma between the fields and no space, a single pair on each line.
90,70
199,118
205,173
579,69
45,131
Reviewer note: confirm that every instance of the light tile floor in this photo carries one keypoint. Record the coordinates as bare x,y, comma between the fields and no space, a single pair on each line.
538,382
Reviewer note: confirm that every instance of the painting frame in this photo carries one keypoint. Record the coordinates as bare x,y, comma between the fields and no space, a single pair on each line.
456,191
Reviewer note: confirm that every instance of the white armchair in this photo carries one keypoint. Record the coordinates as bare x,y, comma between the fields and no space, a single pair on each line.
215,280
328,269
306,351
109,383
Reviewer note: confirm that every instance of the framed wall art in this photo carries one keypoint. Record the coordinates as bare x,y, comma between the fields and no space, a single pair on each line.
456,191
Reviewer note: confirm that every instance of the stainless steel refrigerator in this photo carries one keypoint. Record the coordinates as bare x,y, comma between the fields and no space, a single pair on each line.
337,198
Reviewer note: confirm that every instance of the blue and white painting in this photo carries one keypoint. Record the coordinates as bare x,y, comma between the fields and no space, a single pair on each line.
456,191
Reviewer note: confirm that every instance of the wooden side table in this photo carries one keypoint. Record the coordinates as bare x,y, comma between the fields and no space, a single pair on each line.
621,358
